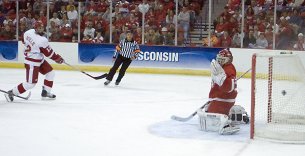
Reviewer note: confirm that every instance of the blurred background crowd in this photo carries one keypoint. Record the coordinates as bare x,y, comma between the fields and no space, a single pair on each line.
268,24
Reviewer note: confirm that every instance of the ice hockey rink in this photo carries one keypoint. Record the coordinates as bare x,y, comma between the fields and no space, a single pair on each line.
132,119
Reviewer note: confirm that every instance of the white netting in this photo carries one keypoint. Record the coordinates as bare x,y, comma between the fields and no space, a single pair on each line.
279,107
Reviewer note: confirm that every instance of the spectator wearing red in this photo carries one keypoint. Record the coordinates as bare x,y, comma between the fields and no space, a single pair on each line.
66,33
120,21
161,15
8,7
151,18
231,25
102,6
221,27
225,14
169,5
42,17
132,6
249,16
225,40
104,23
261,25
91,8
234,4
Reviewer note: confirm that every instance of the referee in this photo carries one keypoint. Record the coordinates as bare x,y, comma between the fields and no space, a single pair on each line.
126,51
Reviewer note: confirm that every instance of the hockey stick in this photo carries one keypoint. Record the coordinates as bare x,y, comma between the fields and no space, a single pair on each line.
94,77
182,119
21,97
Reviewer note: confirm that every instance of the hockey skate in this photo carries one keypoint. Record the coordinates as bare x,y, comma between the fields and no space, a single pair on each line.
117,83
9,96
107,82
46,95
229,130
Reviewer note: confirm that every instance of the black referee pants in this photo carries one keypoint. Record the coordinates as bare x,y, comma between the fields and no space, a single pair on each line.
125,64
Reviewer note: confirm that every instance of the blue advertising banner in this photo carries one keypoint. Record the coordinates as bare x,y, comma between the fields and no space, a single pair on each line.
8,51
151,56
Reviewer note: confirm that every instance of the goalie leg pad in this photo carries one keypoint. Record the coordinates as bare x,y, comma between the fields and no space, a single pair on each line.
238,115
215,122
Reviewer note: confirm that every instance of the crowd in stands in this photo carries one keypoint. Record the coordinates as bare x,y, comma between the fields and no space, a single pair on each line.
95,17
259,25
160,19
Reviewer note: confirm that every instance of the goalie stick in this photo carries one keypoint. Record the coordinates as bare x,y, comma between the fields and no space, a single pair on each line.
21,97
94,77
184,119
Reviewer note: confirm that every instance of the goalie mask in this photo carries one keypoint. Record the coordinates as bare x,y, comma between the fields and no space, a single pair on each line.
238,115
224,57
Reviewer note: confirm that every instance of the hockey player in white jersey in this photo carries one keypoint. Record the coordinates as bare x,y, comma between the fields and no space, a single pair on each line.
36,48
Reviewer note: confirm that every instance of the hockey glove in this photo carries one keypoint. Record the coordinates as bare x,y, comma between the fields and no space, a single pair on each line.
216,68
217,73
219,79
58,59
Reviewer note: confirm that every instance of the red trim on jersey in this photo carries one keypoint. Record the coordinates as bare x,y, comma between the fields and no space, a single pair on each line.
48,83
45,67
21,88
31,73
33,60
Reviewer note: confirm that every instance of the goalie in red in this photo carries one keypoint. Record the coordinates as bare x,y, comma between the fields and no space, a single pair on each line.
215,116
36,48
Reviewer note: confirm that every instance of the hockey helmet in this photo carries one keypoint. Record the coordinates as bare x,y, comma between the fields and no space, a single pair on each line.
224,57
39,27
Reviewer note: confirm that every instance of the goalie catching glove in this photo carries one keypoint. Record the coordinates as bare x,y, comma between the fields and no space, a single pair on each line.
217,73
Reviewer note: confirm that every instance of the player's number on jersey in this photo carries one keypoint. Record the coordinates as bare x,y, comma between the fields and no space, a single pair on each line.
28,49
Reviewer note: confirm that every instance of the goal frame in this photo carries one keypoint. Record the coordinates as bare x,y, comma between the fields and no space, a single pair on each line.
269,88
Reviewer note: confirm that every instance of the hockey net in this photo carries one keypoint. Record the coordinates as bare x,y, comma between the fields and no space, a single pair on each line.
278,97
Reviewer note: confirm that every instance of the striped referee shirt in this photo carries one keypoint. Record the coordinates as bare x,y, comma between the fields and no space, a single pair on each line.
127,49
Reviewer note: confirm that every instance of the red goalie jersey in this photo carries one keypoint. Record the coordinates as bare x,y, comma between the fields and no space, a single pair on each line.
222,96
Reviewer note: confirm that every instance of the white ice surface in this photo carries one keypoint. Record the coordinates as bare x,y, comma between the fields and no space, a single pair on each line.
133,119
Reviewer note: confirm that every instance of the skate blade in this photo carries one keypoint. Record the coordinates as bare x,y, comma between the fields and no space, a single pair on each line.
47,98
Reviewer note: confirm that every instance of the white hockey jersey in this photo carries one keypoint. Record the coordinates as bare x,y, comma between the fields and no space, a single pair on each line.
36,47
